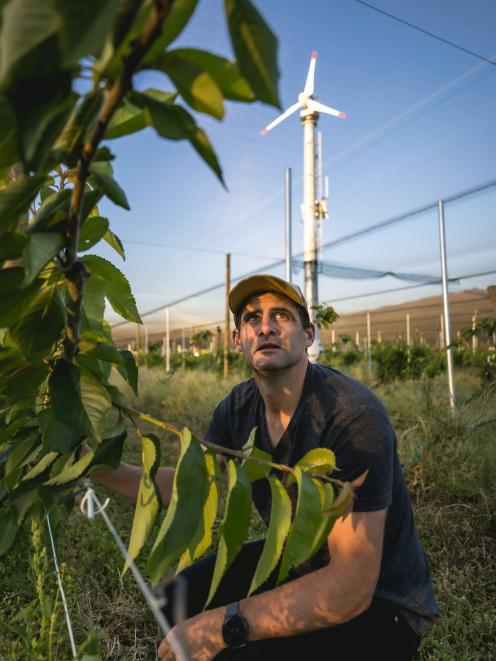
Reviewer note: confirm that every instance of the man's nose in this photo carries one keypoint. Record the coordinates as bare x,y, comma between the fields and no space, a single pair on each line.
266,325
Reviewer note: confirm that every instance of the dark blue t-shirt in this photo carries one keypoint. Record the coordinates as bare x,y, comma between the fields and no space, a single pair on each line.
341,414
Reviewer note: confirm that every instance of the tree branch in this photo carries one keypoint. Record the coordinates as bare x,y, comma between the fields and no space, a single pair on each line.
74,269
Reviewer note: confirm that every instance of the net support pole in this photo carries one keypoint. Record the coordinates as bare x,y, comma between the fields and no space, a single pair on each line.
227,330
446,308
287,223
167,340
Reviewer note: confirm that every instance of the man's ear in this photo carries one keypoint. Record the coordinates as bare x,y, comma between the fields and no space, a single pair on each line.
235,340
310,333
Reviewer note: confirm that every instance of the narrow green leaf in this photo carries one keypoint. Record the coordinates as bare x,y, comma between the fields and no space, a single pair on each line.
235,523
41,324
343,501
94,299
127,119
172,27
71,471
193,83
15,200
18,454
52,211
14,299
115,243
326,492
280,522
117,289
108,453
41,466
148,501
202,145
39,250
202,539
55,435
225,73
319,461
111,189
255,47
9,527
305,524
189,491
254,470
93,230
80,119
129,370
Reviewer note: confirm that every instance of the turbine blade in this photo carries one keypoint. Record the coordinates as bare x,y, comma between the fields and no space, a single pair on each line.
308,91
320,107
281,118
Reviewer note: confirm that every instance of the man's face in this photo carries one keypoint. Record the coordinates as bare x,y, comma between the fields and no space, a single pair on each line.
271,336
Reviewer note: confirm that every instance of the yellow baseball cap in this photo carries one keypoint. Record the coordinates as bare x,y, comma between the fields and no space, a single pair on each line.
260,283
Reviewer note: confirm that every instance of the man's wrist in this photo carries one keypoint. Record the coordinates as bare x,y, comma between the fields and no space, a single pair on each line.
235,629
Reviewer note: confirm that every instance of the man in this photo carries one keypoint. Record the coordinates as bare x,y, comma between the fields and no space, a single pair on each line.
369,592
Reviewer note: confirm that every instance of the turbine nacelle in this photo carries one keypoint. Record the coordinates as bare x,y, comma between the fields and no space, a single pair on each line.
306,100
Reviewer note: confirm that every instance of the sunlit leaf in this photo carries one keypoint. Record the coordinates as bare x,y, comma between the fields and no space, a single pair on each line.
319,461
193,83
71,470
225,72
73,133
117,289
185,508
172,27
41,466
202,539
148,501
255,47
234,526
280,522
115,243
305,524
93,230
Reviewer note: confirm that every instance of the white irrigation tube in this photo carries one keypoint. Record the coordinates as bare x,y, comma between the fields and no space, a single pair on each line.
61,588
90,499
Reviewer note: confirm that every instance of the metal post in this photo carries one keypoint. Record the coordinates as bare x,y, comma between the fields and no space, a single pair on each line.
287,219
357,339
167,340
379,337
408,337
333,336
369,353
309,120
474,337
446,307
228,316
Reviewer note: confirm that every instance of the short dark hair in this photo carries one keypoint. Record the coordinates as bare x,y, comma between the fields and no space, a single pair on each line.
302,313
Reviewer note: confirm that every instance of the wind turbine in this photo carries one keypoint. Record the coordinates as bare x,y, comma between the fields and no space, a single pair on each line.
309,115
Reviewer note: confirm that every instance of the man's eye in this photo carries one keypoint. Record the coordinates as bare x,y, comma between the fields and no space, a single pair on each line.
251,317
281,315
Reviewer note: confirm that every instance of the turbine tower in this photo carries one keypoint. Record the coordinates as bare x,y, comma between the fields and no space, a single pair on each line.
311,212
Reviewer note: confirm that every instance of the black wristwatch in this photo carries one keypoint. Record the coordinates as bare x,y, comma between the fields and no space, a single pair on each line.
235,628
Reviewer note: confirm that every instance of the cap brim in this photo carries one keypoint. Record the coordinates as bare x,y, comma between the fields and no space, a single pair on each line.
262,282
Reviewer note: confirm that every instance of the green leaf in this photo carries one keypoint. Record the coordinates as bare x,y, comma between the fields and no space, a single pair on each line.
255,47
127,119
41,466
225,73
12,245
115,243
57,437
93,230
111,189
15,200
176,21
254,470
342,503
71,471
17,457
235,523
8,143
78,400
8,526
326,492
319,461
129,370
84,27
81,118
189,492
53,210
117,289
305,526
148,501
280,522
193,83
108,453
202,539
39,250
41,324
94,299
175,123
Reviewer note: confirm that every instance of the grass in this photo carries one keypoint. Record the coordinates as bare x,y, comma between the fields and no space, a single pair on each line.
449,462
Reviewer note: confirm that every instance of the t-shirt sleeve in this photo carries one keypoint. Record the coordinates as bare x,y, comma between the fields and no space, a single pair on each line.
218,430
365,442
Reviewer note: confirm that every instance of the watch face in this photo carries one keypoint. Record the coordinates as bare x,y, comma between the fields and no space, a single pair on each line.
235,631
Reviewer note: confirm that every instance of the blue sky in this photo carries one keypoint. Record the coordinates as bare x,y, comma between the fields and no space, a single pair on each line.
420,125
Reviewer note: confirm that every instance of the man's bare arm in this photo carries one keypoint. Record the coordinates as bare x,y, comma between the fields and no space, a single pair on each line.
125,481
326,597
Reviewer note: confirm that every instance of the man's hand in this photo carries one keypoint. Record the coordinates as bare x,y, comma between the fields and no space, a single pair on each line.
200,638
